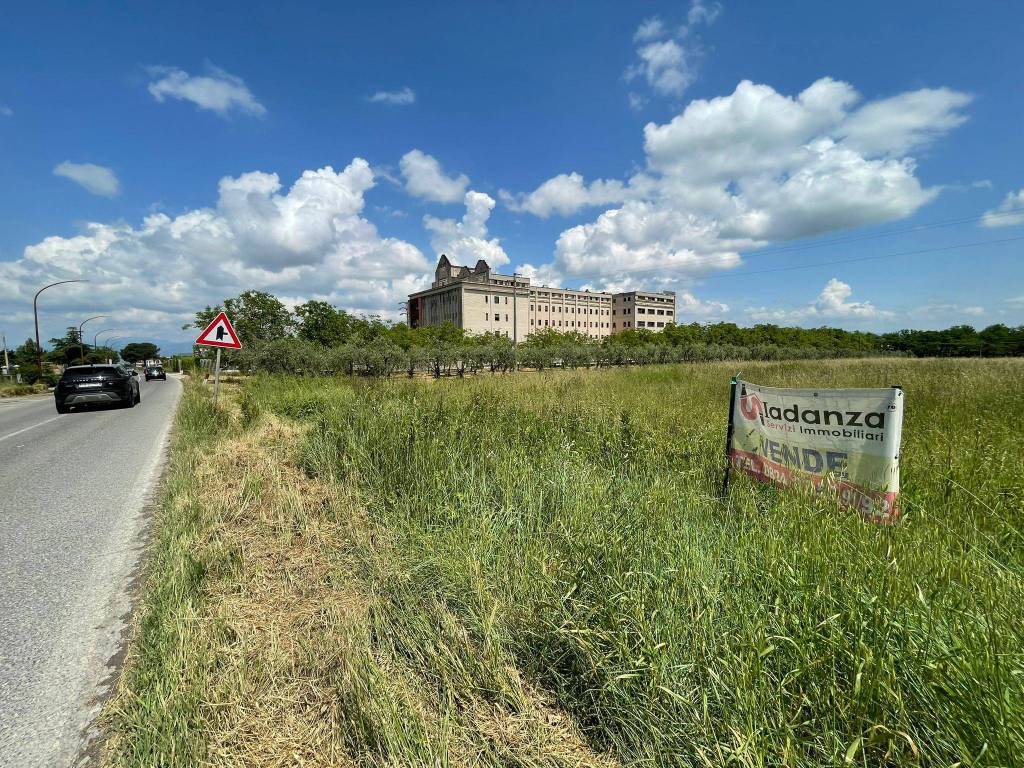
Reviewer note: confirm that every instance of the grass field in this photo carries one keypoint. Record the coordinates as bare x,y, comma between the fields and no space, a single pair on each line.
535,570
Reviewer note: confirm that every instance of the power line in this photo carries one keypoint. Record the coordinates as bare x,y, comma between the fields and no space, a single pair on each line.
864,258
887,233
716,260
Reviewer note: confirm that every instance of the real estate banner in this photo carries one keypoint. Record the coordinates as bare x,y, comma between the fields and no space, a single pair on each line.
842,441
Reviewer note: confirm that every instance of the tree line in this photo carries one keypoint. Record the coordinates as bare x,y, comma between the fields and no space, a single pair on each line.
71,349
317,338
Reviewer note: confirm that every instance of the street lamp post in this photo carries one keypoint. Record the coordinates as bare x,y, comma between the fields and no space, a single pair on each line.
81,341
35,313
96,335
110,341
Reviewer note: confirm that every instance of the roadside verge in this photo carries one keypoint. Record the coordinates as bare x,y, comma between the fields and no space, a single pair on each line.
277,627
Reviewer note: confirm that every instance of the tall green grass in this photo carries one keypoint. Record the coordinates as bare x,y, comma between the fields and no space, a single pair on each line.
569,524
157,716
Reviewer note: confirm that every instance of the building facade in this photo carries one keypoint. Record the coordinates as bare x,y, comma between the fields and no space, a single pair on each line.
643,309
481,301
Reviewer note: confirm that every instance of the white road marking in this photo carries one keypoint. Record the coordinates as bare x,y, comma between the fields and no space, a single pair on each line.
26,429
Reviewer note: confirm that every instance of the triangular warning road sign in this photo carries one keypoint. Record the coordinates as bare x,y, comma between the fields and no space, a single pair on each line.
220,333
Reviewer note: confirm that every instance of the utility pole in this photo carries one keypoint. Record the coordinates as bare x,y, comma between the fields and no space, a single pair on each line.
35,314
7,362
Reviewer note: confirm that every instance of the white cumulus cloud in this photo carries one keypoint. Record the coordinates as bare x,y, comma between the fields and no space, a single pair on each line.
425,179
668,64
649,29
735,172
1008,213
666,67
565,194
833,303
905,122
465,241
6,111
216,91
643,237
702,13
400,97
98,179
948,312
309,241
689,307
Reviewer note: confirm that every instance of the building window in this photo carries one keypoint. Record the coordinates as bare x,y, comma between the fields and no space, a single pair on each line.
506,317
531,321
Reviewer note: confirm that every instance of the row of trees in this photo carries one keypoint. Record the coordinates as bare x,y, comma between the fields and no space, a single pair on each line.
317,337
440,357
71,349
259,317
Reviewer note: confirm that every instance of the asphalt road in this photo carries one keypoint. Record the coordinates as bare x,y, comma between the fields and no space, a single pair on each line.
73,511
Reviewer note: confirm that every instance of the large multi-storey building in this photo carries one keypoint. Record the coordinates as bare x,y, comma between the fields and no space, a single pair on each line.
481,301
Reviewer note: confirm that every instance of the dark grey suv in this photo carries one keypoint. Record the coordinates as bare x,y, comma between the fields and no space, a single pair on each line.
90,384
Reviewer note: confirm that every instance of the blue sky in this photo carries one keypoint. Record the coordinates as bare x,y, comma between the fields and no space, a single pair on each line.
700,147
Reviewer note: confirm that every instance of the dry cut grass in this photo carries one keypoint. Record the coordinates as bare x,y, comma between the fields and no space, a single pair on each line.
278,630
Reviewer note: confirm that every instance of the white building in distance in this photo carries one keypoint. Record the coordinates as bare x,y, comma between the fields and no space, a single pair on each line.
481,301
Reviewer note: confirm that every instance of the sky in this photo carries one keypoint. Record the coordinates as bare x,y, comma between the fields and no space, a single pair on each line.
855,165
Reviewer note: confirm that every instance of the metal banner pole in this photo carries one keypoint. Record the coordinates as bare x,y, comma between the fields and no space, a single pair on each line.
216,381
728,437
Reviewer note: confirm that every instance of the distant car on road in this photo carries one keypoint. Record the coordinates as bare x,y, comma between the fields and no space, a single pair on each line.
156,372
90,384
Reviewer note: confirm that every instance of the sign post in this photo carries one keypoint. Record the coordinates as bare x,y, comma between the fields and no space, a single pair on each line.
728,437
220,334
216,379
